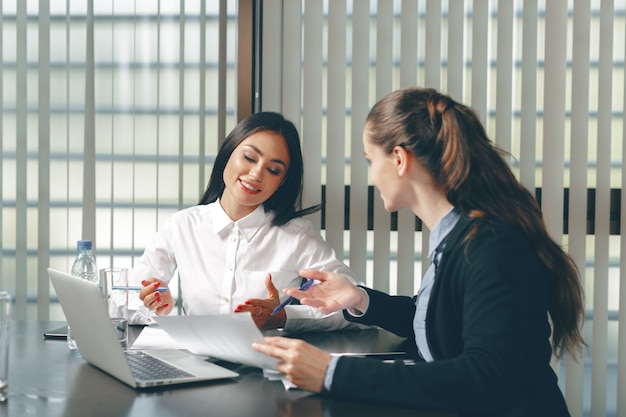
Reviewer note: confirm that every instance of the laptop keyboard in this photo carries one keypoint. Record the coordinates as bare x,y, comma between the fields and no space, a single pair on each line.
148,368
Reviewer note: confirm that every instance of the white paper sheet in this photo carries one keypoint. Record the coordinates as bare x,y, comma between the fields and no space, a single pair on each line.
225,336
152,337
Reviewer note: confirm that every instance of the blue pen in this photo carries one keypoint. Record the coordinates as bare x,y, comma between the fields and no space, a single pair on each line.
305,286
116,287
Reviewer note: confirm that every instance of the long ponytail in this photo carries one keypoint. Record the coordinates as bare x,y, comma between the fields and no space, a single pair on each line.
449,139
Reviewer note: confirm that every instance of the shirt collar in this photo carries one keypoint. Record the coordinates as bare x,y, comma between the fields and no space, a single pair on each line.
441,230
248,226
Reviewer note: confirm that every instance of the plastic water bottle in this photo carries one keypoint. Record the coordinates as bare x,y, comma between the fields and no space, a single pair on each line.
84,267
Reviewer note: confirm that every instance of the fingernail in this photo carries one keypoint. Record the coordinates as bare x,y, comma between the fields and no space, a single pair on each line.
156,284
247,303
143,282
165,305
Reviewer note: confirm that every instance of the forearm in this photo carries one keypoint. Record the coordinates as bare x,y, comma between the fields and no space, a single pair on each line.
305,318
361,307
393,313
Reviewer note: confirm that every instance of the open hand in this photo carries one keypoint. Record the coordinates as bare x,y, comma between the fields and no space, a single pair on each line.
261,308
335,292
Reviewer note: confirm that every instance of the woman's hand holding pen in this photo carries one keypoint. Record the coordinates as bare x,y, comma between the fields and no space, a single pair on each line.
155,298
335,292
261,308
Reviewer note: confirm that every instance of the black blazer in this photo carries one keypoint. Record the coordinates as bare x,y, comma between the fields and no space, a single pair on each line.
487,328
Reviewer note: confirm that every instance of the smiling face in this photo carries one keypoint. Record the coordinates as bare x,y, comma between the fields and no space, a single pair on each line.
254,171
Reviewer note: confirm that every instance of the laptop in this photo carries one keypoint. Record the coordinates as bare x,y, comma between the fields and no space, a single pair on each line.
86,312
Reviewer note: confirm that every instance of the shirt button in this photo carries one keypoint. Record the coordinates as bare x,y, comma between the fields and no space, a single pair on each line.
226,299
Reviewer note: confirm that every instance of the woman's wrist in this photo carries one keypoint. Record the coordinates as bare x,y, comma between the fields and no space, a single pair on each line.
360,308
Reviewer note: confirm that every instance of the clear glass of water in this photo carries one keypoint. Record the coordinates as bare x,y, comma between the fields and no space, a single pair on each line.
115,284
5,319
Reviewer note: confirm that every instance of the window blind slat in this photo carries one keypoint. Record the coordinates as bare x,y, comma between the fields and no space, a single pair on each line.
603,209
358,168
480,58
182,24
409,20
157,120
409,23
127,65
3,279
432,62
292,62
68,134
272,57
456,48
312,105
384,53
504,80
528,117
577,226
43,213
89,162
202,98
222,71
621,331
181,102
384,67
112,163
432,79
554,117
336,126
21,123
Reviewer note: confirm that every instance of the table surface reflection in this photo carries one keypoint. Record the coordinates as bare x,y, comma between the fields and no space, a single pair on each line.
45,379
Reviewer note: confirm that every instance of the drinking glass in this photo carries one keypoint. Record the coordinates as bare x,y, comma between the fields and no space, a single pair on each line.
115,284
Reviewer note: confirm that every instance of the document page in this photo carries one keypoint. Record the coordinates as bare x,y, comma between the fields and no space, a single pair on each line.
153,337
222,336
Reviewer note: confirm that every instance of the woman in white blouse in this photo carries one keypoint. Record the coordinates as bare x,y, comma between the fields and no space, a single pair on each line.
246,239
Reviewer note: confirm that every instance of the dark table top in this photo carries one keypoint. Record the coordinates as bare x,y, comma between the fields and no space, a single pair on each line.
46,379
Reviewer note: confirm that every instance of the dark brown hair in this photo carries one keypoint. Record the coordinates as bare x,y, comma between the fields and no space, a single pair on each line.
286,202
449,139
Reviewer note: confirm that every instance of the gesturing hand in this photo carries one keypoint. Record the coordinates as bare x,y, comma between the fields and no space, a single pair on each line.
261,308
335,292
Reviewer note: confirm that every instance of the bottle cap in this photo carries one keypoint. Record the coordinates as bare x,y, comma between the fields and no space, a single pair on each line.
83,245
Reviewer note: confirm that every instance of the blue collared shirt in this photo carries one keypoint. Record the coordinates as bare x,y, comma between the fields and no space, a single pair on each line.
436,243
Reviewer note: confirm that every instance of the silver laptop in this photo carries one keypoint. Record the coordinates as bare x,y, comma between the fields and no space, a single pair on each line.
86,313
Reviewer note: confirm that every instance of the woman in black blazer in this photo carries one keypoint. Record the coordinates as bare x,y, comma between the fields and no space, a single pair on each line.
500,298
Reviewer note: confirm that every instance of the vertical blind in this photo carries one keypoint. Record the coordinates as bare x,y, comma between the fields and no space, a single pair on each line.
111,112
547,79
110,116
